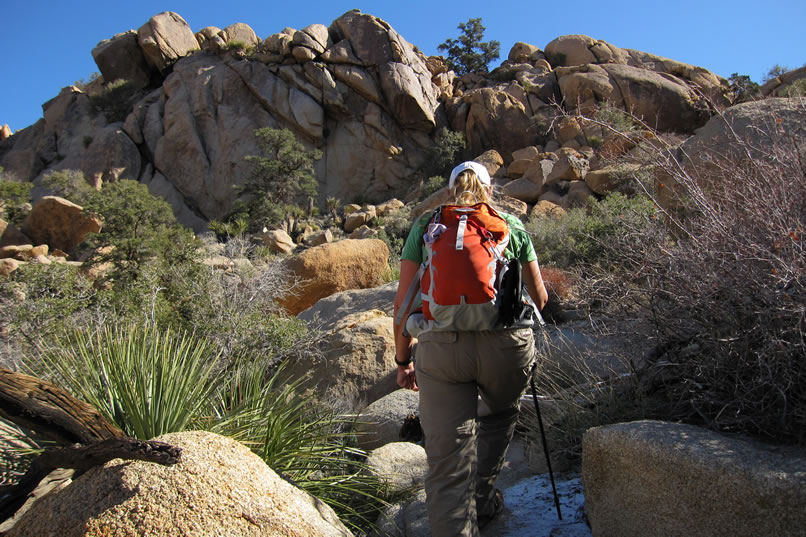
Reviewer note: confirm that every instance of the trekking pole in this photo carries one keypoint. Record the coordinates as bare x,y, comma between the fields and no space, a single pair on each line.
545,448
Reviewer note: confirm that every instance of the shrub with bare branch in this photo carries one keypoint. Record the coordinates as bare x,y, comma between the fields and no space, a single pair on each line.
723,293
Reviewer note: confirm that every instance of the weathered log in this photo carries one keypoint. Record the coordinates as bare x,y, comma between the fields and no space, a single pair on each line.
51,411
55,414
82,458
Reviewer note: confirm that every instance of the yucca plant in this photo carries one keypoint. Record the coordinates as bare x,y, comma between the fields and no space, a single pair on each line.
148,381
300,439
152,381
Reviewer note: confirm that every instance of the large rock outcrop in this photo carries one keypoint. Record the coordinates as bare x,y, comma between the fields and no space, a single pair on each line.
655,478
356,90
660,100
760,130
575,50
751,129
666,94
404,77
494,118
218,488
367,102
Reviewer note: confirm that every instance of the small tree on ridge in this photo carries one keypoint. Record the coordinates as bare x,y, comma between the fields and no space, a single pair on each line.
467,53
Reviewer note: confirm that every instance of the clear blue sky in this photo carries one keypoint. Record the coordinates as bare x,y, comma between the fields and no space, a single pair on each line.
47,44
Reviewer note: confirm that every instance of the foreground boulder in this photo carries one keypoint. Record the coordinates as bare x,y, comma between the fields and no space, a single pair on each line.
655,478
330,268
329,311
218,488
402,465
382,422
356,365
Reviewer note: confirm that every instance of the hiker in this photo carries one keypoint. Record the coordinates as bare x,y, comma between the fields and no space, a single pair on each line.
470,381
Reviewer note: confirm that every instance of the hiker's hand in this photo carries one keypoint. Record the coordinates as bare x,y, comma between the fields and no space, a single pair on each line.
406,377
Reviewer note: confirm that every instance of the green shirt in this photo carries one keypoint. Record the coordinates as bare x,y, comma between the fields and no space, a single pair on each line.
520,244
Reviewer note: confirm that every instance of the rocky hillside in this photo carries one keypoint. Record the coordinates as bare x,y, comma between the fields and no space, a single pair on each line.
177,110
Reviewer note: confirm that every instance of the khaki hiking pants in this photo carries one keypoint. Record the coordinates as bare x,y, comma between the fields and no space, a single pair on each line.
466,438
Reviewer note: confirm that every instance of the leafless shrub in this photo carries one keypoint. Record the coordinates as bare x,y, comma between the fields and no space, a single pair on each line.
723,292
579,388
237,309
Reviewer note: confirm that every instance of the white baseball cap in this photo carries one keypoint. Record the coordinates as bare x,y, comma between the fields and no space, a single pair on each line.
481,172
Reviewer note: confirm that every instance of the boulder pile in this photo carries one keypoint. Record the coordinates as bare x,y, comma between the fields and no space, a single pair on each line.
186,105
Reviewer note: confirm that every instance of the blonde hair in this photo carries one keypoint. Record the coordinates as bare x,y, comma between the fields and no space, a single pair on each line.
469,190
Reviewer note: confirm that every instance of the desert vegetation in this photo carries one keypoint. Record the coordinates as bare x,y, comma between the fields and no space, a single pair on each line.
697,269
280,184
468,53
160,342
701,275
114,101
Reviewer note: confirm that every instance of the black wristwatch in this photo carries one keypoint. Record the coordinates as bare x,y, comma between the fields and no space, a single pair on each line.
404,363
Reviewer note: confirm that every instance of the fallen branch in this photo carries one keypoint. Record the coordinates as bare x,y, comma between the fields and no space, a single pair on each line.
55,414
51,411
82,458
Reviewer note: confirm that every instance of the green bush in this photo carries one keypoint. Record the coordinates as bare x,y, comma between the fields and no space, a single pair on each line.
280,181
150,381
147,381
14,199
238,309
442,154
139,227
115,101
434,184
577,238
39,301
226,230
797,89
618,120
743,88
68,184
302,440
236,45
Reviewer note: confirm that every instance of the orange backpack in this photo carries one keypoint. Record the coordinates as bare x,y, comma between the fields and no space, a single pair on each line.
459,280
